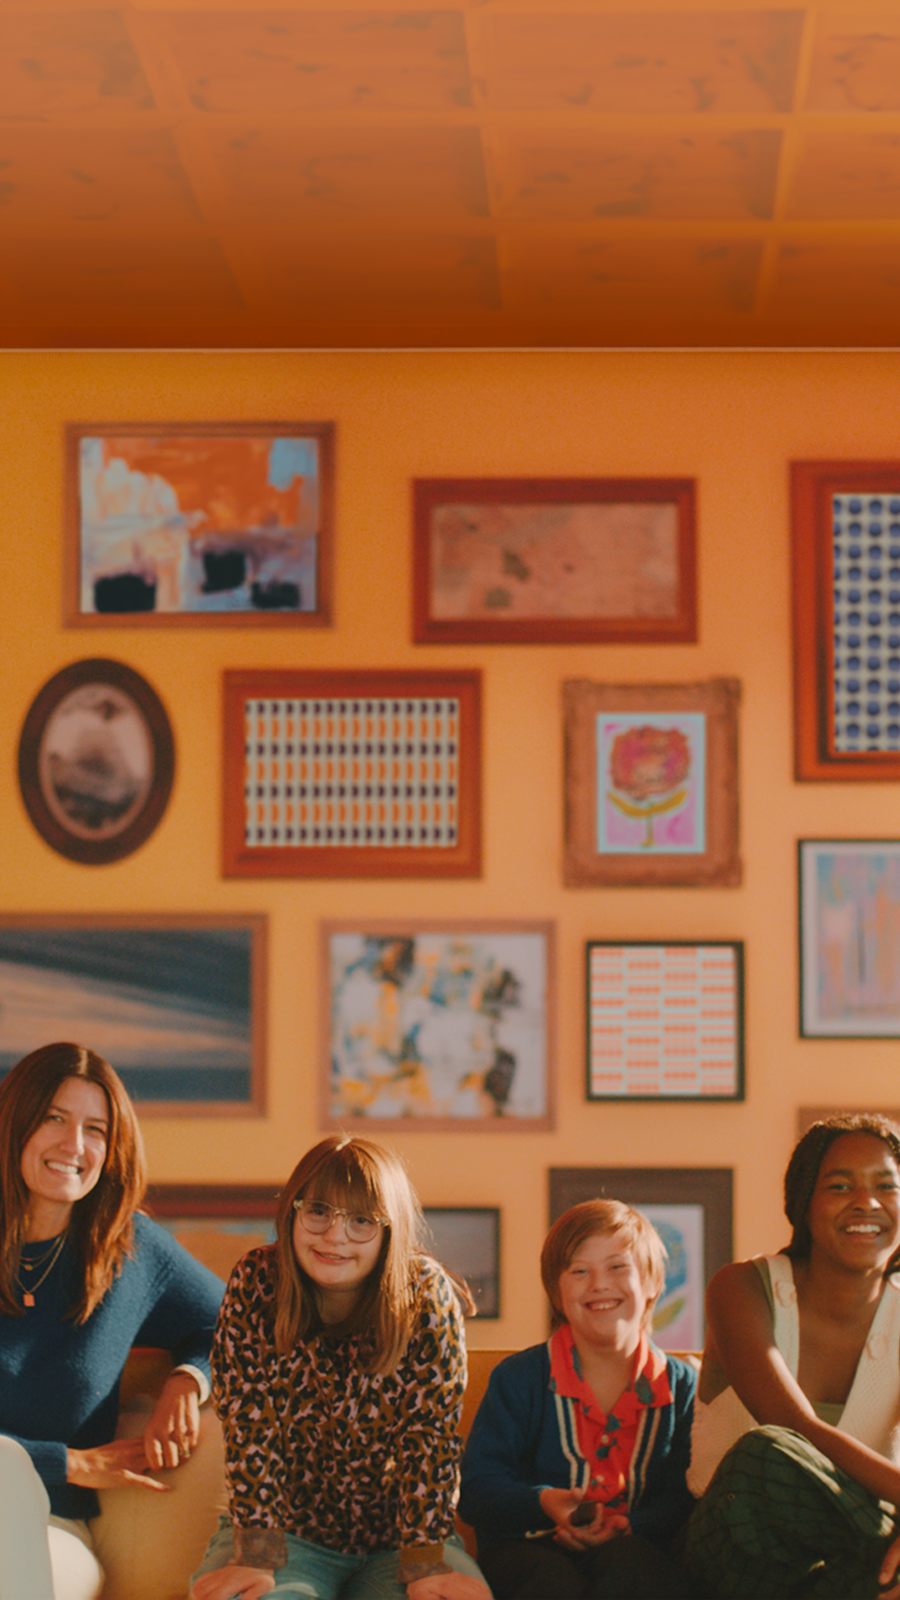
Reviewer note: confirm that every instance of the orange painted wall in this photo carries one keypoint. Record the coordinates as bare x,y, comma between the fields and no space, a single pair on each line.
733,421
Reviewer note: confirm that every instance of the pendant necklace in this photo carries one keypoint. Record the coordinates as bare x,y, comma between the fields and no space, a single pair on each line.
29,1266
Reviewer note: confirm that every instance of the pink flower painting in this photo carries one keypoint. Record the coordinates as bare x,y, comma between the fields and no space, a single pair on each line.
651,773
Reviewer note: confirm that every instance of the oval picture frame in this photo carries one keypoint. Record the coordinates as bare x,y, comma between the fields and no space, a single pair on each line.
96,761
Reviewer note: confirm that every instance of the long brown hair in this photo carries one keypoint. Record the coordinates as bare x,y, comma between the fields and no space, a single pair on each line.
361,1176
806,1160
101,1227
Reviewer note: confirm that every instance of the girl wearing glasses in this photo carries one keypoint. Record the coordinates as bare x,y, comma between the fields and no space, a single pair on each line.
338,1372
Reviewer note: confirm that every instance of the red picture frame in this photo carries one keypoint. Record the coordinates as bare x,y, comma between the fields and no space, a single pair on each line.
378,778
825,652
554,561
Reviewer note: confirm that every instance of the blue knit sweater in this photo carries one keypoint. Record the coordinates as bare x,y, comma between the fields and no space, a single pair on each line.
524,1440
59,1383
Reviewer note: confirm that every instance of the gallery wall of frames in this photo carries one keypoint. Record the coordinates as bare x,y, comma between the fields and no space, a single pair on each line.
493,753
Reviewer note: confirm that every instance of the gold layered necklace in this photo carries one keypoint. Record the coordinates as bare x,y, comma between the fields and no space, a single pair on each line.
51,1257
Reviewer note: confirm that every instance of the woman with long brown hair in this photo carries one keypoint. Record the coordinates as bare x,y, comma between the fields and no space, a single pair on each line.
83,1277
338,1372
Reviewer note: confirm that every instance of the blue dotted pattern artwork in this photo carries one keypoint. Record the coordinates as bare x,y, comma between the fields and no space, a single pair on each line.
866,637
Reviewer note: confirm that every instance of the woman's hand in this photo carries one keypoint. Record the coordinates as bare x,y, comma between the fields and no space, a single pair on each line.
888,1572
441,1586
174,1428
227,1583
111,1466
559,1505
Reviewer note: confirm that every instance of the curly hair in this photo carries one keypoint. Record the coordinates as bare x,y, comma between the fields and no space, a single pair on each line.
806,1161
101,1229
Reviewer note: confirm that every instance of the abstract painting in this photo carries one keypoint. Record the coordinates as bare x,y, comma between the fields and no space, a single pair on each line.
199,523
174,1003
849,938
438,1025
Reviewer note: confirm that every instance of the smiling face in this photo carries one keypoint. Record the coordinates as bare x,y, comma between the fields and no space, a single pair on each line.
336,1265
602,1295
63,1159
854,1213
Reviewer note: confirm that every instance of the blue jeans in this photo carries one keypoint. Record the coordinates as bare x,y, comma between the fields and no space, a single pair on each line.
319,1574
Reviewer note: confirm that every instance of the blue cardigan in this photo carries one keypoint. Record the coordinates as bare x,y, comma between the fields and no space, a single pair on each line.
59,1384
524,1440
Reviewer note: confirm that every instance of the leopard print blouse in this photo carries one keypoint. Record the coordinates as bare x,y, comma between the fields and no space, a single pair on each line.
320,1448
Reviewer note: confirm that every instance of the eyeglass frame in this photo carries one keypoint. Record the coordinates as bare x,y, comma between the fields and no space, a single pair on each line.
338,1211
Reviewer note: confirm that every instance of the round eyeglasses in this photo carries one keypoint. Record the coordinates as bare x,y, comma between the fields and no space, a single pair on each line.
317,1216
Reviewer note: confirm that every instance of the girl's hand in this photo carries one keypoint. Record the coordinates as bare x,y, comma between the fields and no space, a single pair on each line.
888,1573
116,1465
442,1586
226,1583
174,1428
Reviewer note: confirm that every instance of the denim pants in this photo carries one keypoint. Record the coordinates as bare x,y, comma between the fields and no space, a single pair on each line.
319,1574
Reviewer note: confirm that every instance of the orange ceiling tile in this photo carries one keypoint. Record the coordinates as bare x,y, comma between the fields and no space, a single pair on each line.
855,63
646,62
149,274
323,176
401,269
716,274
598,173
91,180
848,174
52,63
275,61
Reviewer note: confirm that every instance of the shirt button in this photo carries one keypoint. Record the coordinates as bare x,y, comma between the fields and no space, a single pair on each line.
604,1438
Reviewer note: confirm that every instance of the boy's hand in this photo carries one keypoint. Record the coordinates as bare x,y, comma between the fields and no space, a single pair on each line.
560,1504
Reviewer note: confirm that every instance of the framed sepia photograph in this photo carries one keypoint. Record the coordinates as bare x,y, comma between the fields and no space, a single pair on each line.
202,523
849,893
665,1021
177,1004
352,774
846,549
691,1209
439,1026
651,783
96,761
554,561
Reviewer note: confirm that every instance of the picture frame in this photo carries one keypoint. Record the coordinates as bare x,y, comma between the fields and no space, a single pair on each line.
849,927
352,774
96,761
807,1115
216,1223
176,1002
554,561
692,1210
665,1020
651,783
466,1239
845,524
439,1026
201,524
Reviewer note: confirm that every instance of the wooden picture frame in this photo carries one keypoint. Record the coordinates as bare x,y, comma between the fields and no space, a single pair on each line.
96,761
467,1240
437,1026
846,601
217,1223
849,926
177,1003
651,783
692,1210
665,1020
200,524
352,774
554,561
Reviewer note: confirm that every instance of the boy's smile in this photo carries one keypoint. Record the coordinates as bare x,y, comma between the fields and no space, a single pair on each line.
603,1298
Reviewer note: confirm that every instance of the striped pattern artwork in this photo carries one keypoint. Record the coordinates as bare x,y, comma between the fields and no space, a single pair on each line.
376,772
664,1021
